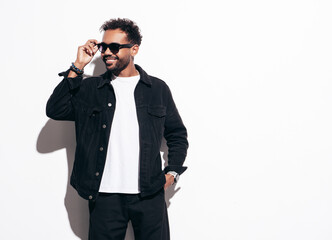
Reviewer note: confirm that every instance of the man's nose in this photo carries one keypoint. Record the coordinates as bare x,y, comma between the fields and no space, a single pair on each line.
108,51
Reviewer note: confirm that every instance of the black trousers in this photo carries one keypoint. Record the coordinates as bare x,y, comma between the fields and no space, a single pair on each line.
111,212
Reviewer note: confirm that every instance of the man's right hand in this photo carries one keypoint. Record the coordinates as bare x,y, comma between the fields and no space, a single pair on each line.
85,54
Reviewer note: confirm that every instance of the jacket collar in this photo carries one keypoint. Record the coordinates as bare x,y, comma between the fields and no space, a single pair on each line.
144,77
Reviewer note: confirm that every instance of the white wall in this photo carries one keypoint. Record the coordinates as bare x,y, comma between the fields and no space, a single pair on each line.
251,79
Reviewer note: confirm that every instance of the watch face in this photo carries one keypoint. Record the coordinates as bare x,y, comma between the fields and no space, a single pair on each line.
176,178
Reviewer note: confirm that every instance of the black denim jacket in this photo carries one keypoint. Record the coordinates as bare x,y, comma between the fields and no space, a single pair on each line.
91,103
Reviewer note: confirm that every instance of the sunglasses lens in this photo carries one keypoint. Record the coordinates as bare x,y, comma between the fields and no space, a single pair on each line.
101,47
114,48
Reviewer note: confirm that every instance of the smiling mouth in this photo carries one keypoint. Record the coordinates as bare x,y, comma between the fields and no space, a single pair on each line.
110,59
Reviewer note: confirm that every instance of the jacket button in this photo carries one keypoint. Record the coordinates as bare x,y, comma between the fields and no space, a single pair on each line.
97,174
109,104
104,125
101,149
90,197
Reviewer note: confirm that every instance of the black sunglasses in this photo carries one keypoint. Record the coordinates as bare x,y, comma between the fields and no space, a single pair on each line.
114,47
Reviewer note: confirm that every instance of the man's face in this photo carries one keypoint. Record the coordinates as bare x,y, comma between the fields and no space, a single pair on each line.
119,61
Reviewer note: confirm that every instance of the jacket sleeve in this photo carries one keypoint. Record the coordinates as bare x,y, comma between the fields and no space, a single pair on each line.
175,134
60,105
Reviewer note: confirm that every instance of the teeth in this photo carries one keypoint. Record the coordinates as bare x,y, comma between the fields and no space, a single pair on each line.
111,58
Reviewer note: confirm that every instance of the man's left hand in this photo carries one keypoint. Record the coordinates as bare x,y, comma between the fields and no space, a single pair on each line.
169,180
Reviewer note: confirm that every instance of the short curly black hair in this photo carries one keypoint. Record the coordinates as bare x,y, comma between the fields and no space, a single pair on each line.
126,25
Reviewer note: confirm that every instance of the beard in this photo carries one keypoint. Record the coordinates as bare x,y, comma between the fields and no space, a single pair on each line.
118,65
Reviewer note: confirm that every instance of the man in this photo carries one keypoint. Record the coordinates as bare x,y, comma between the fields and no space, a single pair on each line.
120,120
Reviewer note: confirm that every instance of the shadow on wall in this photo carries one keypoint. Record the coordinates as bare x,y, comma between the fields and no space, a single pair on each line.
56,135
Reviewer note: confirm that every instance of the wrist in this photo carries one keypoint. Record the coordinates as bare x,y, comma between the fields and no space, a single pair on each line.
79,65
77,70
175,176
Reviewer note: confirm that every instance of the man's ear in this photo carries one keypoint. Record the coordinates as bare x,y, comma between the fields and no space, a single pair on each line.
134,50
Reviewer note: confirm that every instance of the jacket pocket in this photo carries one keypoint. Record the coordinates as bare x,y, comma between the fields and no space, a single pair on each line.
91,112
157,111
90,121
157,120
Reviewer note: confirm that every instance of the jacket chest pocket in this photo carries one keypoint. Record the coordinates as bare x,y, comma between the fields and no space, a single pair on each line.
91,119
157,116
157,111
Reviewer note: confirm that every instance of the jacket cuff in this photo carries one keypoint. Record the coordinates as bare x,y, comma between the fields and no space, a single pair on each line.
175,168
72,82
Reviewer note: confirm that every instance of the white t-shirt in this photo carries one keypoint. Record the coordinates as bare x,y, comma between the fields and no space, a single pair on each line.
121,172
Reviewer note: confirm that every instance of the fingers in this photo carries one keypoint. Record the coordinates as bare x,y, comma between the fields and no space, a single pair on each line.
92,41
91,47
87,51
